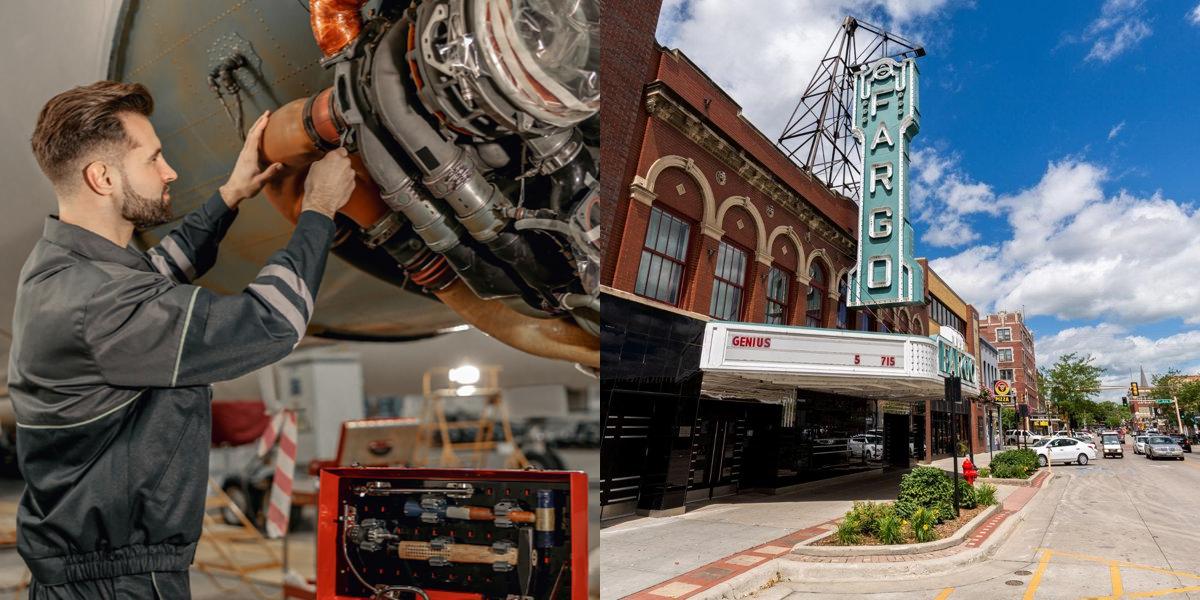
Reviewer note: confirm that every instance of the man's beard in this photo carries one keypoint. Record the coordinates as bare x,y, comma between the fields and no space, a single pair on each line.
143,212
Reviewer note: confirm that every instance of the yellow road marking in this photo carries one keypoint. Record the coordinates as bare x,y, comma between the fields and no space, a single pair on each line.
1179,590
945,594
1037,575
1120,563
1114,573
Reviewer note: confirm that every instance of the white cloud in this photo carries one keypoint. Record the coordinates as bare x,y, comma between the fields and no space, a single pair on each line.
1119,27
1075,253
1112,133
1194,15
1123,352
764,52
944,196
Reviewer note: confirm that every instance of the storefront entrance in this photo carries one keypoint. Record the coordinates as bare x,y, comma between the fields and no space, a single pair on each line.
720,433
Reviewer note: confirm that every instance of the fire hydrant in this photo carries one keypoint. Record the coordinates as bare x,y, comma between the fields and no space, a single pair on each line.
969,472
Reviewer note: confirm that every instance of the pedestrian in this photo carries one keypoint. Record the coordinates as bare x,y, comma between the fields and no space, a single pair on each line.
114,349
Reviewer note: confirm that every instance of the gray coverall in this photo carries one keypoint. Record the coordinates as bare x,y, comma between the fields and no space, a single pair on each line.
112,355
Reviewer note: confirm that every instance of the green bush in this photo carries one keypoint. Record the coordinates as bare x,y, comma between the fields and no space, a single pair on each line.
922,525
847,531
1016,464
966,494
868,514
889,529
929,488
985,494
985,472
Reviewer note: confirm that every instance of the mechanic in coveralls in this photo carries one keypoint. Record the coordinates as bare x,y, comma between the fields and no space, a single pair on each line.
114,349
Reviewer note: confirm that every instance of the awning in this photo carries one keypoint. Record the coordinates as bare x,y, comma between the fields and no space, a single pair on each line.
768,362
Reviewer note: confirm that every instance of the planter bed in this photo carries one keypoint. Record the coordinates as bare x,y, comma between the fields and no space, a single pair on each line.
950,533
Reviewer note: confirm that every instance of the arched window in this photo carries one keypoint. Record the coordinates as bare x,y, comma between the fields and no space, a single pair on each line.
664,256
916,325
728,283
817,291
844,315
778,286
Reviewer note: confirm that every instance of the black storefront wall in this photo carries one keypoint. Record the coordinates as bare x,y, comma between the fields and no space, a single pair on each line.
943,416
665,445
650,395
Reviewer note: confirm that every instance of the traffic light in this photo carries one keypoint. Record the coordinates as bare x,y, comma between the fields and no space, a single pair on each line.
1133,390
1124,401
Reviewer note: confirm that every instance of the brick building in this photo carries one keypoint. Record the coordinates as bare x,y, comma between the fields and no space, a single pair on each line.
730,360
1016,359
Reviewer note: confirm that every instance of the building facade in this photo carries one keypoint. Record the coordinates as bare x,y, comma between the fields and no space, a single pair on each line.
730,359
951,316
989,372
1017,359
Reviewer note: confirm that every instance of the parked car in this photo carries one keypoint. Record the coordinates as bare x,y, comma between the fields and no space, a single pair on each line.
1012,437
1139,444
1084,437
1183,442
1110,442
1065,450
870,446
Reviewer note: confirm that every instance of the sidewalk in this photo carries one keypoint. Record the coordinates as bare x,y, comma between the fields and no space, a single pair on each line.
637,554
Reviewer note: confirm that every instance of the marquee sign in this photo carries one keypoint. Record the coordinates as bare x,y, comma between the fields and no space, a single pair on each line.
953,360
885,120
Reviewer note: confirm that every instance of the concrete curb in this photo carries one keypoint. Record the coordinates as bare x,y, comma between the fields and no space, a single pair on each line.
782,569
806,549
1028,481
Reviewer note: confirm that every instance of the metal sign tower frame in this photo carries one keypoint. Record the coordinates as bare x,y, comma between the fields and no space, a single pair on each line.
818,135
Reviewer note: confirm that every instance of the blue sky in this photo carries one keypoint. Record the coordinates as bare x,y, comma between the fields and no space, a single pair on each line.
1055,170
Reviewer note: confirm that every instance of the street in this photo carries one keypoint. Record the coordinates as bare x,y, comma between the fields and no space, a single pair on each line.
1113,528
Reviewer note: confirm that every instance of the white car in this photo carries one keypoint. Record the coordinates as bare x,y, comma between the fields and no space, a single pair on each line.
1139,444
1014,437
867,445
1065,450
1112,445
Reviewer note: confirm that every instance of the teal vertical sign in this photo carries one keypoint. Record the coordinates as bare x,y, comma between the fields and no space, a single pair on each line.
885,120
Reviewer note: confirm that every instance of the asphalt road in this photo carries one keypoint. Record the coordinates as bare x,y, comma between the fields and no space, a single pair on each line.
1126,528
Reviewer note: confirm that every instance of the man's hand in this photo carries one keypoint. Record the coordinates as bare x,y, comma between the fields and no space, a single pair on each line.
247,178
329,183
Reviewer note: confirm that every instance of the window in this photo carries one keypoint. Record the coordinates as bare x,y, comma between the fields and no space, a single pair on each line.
777,296
844,316
1006,374
942,315
815,311
1004,334
660,274
727,285
1005,354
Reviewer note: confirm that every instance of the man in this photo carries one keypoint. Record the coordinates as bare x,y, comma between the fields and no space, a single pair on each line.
113,349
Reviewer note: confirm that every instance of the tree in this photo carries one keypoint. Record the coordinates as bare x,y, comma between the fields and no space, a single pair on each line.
1173,384
1070,384
1008,419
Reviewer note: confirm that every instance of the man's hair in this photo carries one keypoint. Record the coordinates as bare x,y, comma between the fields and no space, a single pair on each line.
82,120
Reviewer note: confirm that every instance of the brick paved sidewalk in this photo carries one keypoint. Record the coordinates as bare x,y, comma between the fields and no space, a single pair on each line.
701,579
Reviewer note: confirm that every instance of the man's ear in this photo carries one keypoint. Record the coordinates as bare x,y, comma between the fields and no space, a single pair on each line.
100,177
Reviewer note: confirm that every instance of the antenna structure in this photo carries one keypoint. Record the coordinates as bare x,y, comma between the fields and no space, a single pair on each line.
818,135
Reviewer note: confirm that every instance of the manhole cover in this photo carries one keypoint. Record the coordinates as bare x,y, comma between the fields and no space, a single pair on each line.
1014,582
1023,573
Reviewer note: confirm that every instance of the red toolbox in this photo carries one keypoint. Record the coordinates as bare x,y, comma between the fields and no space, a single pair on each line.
451,534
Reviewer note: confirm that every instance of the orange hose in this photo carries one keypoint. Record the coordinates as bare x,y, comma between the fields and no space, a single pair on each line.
550,338
335,23
285,141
